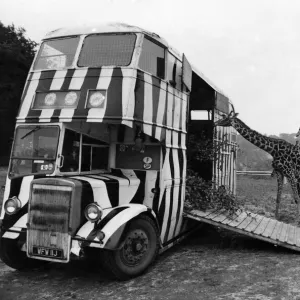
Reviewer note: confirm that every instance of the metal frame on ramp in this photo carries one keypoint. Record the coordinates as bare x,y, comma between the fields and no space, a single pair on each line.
253,225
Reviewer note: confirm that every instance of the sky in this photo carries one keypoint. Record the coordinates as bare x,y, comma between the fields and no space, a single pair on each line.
250,49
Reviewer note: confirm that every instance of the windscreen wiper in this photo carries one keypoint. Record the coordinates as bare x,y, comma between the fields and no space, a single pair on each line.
36,128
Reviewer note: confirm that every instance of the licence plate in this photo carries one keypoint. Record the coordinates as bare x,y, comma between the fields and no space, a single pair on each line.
47,252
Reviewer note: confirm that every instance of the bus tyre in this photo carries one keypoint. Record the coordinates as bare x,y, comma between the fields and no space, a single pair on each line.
11,255
139,249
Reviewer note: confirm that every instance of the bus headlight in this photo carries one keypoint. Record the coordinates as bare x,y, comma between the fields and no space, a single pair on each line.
96,99
93,212
12,205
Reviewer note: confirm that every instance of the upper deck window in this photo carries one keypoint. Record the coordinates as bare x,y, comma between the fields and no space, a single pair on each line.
56,54
107,50
152,58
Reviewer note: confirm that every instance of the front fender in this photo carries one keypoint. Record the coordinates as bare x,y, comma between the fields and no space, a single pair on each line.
112,225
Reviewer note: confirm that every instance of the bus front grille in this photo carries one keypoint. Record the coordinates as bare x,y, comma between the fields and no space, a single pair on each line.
49,213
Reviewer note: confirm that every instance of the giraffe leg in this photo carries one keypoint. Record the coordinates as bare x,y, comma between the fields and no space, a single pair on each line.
279,191
296,196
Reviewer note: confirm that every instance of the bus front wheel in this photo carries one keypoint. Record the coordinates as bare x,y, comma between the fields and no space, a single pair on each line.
139,249
11,255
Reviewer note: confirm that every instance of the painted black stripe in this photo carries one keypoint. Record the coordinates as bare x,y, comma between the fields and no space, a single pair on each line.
162,208
118,173
114,95
140,193
66,84
171,203
44,85
87,196
180,160
139,92
171,160
65,87
102,223
113,190
156,195
90,82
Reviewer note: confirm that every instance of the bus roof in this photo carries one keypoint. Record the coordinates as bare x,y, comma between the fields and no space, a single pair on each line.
122,27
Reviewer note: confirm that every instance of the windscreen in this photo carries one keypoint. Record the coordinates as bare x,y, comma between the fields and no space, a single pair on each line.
107,50
34,150
56,54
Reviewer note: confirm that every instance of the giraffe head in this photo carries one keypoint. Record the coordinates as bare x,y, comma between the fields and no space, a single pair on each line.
227,120
298,133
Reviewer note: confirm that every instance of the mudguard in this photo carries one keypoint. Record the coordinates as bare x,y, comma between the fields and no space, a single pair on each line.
112,224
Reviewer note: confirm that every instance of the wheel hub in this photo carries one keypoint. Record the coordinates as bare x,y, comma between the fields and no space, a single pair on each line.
135,247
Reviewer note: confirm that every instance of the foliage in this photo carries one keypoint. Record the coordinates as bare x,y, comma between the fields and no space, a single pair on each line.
201,193
204,195
16,55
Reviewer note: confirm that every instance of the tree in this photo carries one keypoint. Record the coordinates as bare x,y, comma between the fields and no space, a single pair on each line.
16,55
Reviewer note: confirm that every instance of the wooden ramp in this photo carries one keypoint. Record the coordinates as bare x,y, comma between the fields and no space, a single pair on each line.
253,225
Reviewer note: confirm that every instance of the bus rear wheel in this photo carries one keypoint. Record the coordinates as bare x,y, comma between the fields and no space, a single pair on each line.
139,249
11,255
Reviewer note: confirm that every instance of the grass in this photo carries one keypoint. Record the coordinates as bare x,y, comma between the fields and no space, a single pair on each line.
258,194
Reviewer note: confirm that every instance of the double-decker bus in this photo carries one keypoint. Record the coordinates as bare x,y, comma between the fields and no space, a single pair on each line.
98,163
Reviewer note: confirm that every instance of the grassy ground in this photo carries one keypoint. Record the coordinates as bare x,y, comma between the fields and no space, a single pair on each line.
258,194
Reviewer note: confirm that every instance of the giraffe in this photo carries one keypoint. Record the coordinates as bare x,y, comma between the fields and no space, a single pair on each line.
286,156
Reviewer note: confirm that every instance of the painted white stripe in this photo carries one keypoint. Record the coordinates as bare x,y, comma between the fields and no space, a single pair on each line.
97,114
99,191
29,96
174,212
127,189
120,219
99,177
85,230
149,185
21,223
177,111
128,97
166,214
56,84
148,104
66,114
178,227
25,189
183,112
166,173
6,195
161,111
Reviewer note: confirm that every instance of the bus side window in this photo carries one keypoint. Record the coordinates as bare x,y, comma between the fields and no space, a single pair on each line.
152,58
174,71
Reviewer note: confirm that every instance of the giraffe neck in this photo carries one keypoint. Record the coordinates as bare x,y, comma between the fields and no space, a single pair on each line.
261,141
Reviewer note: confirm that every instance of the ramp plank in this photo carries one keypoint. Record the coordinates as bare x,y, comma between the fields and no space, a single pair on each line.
254,223
238,220
291,236
262,226
270,227
276,231
283,233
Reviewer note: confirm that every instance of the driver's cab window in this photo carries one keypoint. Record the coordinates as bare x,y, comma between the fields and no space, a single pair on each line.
70,151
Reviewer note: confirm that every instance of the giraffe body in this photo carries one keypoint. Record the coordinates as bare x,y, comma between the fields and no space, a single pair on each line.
286,156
